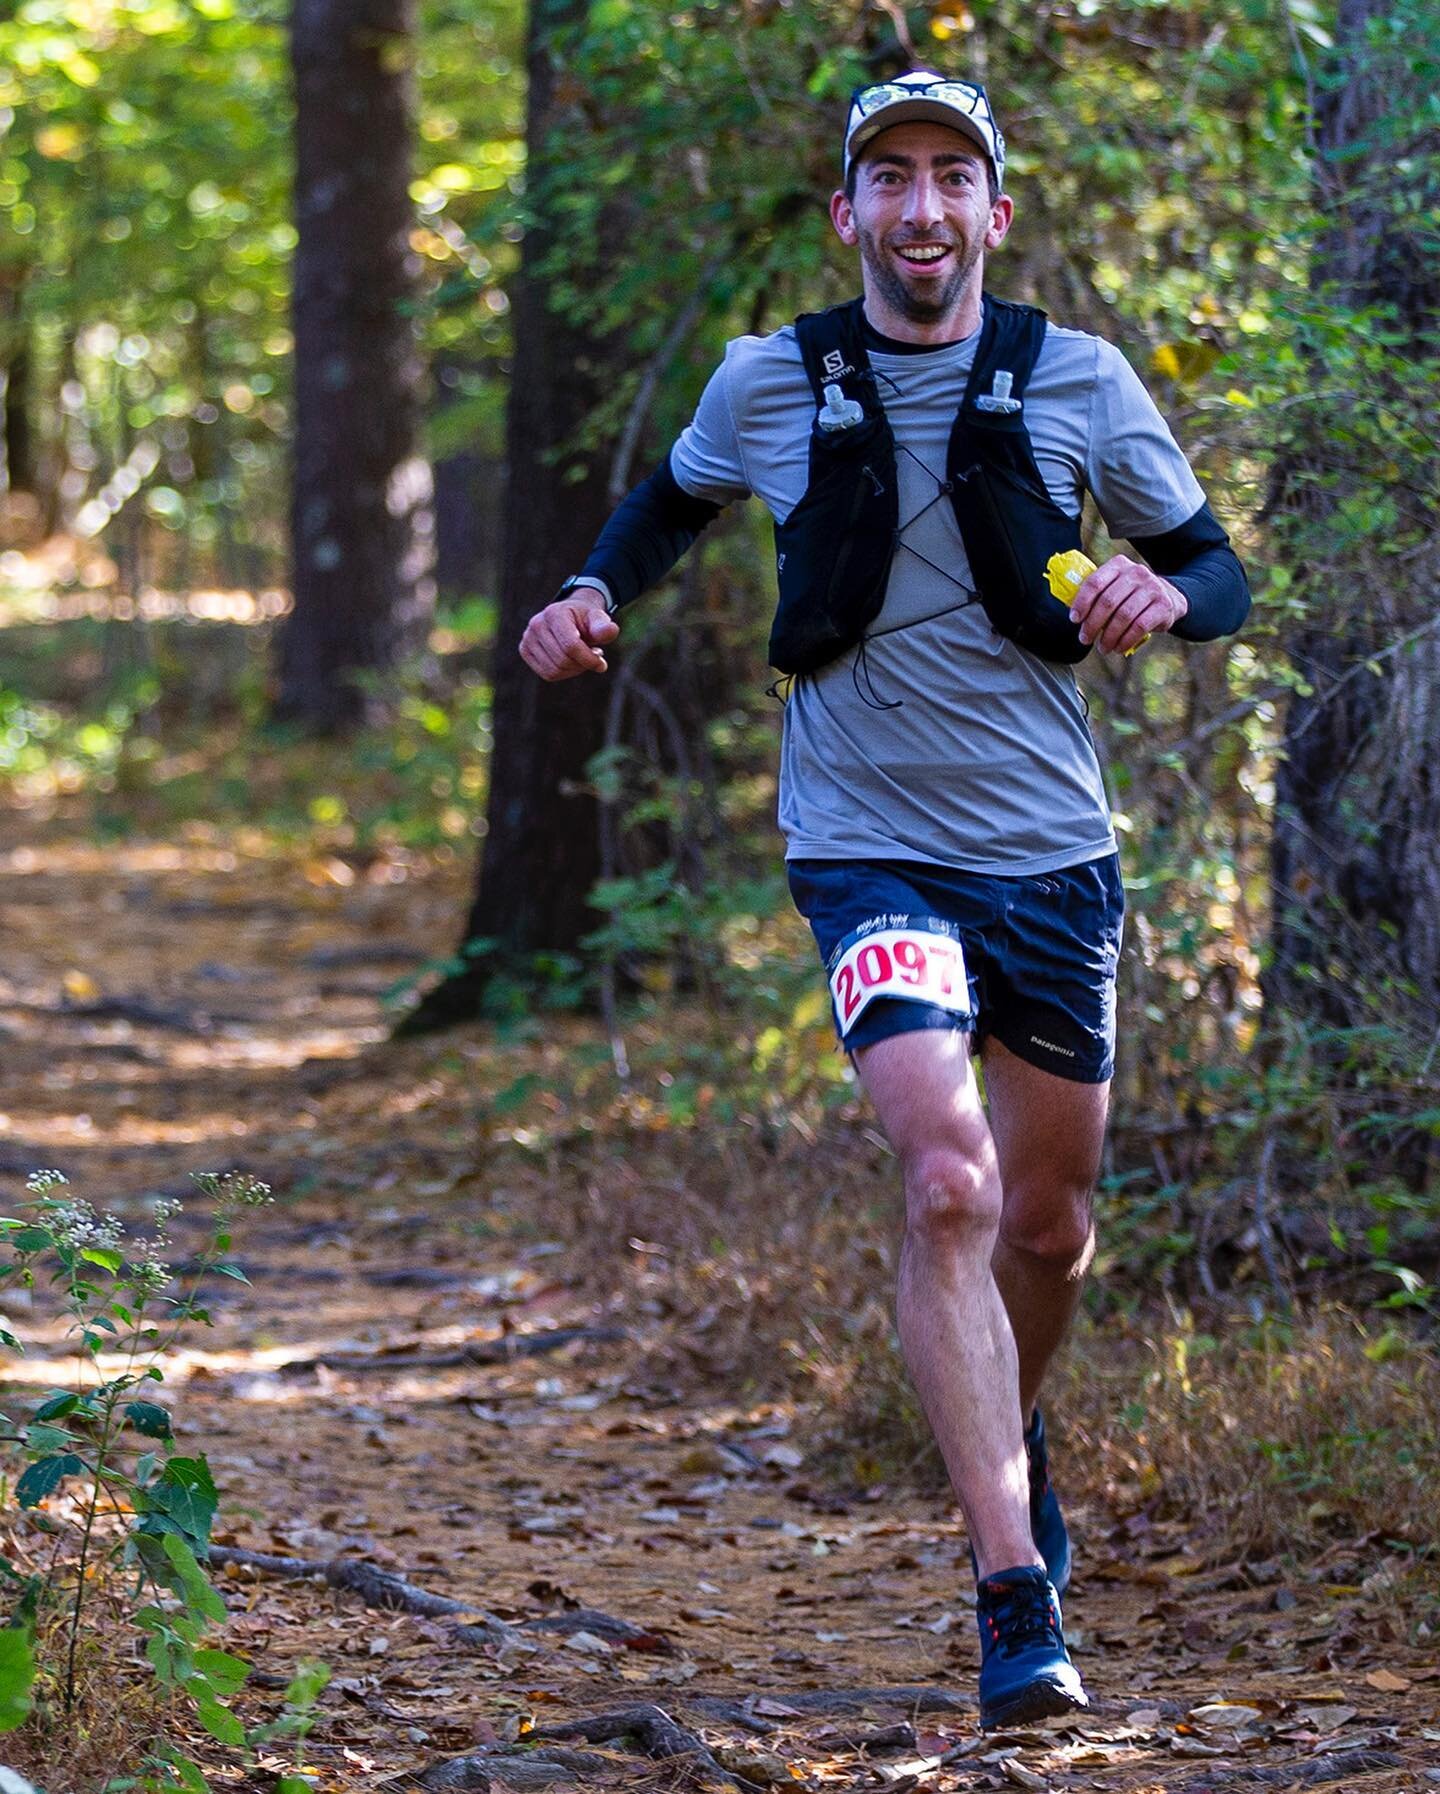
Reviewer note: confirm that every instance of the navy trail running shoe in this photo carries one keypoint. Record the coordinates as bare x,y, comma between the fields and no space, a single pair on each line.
1025,1671
1047,1523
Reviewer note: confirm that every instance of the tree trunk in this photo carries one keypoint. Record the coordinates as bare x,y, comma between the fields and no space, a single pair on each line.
541,847
1355,859
361,519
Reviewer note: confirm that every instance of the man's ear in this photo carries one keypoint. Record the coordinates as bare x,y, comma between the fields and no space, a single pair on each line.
1001,213
842,216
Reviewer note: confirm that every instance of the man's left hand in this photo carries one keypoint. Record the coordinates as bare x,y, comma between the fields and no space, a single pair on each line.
1123,603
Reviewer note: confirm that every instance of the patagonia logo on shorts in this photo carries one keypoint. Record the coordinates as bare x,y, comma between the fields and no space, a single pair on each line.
914,957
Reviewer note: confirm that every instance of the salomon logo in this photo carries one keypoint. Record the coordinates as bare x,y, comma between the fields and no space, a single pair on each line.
835,365
998,398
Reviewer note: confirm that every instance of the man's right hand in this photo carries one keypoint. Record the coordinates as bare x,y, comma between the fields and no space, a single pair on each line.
566,638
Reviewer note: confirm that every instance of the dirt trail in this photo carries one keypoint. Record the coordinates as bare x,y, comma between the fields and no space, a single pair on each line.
166,1008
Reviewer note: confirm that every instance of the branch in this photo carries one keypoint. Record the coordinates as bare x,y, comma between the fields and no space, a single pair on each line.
655,369
486,1351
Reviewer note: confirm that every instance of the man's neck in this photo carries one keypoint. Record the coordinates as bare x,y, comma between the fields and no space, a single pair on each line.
962,320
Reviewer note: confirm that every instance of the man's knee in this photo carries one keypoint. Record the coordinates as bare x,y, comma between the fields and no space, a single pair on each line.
1054,1226
951,1194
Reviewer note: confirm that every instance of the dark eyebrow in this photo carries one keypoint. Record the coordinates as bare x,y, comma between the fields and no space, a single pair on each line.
941,159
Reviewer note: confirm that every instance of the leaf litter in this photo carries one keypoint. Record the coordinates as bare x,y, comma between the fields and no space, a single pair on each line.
533,1551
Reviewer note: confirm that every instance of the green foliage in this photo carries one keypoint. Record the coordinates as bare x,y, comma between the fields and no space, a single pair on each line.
17,1673
104,1447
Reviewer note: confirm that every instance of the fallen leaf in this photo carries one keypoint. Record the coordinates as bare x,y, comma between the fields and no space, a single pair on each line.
1388,1682
1227,1715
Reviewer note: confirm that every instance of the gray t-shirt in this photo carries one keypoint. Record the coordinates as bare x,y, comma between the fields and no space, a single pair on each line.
985,763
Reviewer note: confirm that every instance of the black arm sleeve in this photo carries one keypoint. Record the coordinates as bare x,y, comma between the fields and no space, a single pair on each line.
647,533
1197,557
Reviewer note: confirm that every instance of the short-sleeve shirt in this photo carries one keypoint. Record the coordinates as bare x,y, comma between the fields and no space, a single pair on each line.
938,740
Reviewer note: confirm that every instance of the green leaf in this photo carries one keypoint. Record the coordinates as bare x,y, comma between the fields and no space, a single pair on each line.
294,1784
31,1239
149,1419
219,1721
193,1584
186,1492
224,1672
17,1673
188,1774
102,1255
310,1677
8,1338
45,1440
230,1271
58,1403
45,1477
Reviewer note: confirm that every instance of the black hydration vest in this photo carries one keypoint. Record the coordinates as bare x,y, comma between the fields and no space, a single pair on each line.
833,552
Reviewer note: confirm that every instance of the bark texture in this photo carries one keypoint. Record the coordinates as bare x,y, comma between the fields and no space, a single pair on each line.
361,519
541,847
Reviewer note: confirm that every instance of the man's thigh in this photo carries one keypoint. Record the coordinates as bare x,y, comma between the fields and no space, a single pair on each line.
924,1092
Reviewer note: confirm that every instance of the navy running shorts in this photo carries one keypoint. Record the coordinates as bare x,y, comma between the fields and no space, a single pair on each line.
1029,962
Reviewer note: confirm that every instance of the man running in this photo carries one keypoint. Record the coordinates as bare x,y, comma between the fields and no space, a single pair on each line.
948,834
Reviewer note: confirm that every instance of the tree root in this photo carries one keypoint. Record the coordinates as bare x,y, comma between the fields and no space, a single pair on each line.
521,1770
504,1350
379,1588
659,1736
826,1702
1334,1767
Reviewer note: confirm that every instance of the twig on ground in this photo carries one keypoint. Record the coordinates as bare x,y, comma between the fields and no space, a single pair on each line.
503,1350
378,1587
1338,1766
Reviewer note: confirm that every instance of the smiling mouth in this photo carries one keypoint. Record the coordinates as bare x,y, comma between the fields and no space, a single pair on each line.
922,255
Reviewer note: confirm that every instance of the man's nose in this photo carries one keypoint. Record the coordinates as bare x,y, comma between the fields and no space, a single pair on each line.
924,207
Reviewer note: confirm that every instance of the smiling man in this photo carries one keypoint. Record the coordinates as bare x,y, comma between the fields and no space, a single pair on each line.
924,451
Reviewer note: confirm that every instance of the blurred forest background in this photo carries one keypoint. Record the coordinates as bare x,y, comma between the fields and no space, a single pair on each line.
329,336
328,339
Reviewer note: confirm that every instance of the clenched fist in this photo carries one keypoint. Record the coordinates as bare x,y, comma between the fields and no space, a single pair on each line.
566,638
1123,603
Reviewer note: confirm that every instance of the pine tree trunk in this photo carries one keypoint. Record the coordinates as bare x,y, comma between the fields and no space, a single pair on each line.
361,519
1355,861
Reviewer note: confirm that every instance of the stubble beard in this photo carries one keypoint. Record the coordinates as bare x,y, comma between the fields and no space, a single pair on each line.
918,307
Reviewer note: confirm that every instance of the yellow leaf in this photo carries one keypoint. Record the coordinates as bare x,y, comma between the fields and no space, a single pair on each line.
1166,362
80,987
58,143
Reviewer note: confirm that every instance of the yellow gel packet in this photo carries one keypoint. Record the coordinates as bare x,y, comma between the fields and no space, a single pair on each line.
1066,573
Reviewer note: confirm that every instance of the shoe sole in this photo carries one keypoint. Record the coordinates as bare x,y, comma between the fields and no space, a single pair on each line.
1042,1699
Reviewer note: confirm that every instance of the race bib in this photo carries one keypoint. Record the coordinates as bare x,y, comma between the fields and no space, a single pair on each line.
913,959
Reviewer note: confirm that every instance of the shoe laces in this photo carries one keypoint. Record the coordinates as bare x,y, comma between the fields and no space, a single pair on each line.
1020,1615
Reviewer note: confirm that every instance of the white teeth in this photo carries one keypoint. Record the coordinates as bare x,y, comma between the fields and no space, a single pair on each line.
927,253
